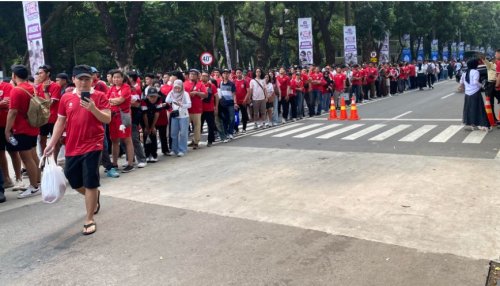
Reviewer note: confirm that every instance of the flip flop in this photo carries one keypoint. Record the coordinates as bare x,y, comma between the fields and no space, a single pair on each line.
86,226
98,202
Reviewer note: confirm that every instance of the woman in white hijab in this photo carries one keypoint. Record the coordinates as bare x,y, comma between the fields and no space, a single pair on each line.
180,102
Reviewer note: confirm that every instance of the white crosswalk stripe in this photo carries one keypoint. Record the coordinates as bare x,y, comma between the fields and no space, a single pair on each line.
276,130
390,132
307,127
339,131
475,137
412,137
446,134
364,132
316,131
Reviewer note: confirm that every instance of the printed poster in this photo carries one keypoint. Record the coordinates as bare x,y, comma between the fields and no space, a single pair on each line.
33,35
350,47
305,41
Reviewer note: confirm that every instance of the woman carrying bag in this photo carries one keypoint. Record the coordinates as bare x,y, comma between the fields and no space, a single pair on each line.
179,117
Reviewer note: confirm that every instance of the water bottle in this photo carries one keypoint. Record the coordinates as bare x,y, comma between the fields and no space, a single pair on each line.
13,141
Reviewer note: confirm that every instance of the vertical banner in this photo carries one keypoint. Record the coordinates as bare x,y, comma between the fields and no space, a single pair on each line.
350,47
384,51
420,49
454,51
434,50
461,51
228,56
305,41
445,52
406,52
33,35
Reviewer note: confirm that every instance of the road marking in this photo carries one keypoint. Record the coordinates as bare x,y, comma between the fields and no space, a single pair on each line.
298,130
390,132
399,116
364,132
417,133
316,131
446,96
276,130
339,131
403,119
446,134
475,137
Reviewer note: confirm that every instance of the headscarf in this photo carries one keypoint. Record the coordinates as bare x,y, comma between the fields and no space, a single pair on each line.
178,95
471,65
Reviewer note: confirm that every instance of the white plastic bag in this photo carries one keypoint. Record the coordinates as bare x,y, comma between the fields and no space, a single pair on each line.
53,181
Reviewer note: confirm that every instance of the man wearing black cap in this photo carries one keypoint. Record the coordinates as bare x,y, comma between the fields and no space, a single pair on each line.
82,114
62,79
97,83
22,137
197,92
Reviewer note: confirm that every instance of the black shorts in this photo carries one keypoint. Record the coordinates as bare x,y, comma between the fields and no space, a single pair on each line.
269,105
3,142
47,129
83,170
24,143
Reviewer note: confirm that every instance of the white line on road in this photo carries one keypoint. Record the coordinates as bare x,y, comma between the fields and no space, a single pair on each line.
412,137
364,132
339,131
446,96
475,137
399,116
316,131
402,119
446,134
277,130
390,132
298,130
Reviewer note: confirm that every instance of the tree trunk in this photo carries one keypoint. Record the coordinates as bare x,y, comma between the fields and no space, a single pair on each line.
327,39
262,52
215,33
347,13
316,49
232,39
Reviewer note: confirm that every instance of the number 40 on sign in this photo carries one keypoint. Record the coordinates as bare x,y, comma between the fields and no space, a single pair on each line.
206,59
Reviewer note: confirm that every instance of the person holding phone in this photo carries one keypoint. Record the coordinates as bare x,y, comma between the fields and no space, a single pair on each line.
81,114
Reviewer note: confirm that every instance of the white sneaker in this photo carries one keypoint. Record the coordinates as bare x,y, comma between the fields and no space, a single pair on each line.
19,186
245,132
30,192
180,154
142,165
172,153
225,140
154,160
230,136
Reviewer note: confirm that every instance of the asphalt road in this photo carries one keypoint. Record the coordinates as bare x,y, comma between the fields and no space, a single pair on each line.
283,207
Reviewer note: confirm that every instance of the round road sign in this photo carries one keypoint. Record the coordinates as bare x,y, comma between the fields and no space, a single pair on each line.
206,59
373,54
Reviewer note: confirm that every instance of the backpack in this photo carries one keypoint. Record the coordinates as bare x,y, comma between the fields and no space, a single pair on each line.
38,111
430,69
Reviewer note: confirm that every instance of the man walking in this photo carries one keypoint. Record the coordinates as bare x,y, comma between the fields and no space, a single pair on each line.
83,113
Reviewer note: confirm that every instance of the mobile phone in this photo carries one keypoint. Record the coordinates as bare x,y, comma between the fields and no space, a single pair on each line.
85,95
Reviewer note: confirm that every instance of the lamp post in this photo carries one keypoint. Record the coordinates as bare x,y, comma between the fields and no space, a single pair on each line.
282,33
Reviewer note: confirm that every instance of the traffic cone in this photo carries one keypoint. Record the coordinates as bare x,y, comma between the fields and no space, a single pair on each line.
343,112
354,110
489,113
333,110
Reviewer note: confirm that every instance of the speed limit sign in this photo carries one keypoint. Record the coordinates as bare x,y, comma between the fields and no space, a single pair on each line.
206,59
373,54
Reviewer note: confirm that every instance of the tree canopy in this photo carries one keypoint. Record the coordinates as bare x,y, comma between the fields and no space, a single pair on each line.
159,36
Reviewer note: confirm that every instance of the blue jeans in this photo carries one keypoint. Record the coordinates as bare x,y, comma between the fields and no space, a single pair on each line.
227,115
316,101
356,90
179,134
276,115
300,104
326,101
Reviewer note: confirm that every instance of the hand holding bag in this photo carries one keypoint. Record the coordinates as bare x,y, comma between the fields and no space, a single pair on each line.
53,182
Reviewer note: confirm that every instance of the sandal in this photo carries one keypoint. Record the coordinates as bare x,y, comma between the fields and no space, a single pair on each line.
87,226
98,202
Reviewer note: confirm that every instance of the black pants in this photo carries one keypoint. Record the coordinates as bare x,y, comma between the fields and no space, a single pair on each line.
289,106
394,86
209,117
401,85
244,117
430,80
493,94
284,106
421,79
310,103
162,130
151,145
413,82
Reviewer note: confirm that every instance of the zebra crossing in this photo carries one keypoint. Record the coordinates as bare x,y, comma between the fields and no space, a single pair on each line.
404,133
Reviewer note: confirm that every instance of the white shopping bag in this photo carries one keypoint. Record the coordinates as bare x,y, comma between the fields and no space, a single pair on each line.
53,181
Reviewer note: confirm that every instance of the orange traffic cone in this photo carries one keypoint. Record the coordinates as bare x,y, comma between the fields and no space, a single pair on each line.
354,110
489,113
343,112
333,110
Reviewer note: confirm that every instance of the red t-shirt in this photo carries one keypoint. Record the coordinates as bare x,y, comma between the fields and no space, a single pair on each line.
55,95
84,132
209,106
117,92
100,86
371,74
339,80
412,71
20,100
196,101
163,118
241,90
283,83
356,73
317,76
305,79
498,71
5,89
294,85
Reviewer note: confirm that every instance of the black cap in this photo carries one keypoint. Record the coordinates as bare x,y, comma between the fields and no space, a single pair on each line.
20,71
152,91
226,70
46,68
94,70
62,76
194,70
239,69
82,70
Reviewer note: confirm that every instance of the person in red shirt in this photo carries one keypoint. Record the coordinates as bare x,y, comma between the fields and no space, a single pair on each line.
371,78
339,79
296,94
497,57
412,73
283,84
82,114
98,84
401,78
52,90
136,113
317,83
307,95
20,135
393,77
197,92
210,105
356,79
120,96
242,97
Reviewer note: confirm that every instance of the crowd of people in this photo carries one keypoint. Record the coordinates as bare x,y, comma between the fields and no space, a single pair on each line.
100,120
